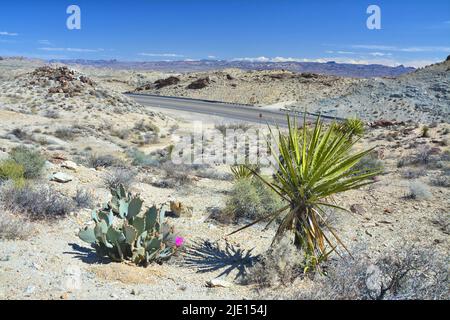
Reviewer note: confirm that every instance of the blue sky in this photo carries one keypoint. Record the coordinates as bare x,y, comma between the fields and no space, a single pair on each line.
412,32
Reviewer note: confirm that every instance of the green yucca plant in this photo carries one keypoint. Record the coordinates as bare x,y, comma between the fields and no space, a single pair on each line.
243,171
354,126
313,165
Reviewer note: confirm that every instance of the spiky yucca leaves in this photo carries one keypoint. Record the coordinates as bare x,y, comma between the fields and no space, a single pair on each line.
354,126
243,171
313,165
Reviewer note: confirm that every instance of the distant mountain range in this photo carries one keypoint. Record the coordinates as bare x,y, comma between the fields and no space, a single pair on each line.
328,68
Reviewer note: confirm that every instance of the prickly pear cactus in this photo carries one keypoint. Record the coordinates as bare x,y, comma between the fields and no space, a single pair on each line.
123,232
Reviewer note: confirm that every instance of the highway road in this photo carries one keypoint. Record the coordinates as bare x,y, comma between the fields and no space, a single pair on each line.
219,109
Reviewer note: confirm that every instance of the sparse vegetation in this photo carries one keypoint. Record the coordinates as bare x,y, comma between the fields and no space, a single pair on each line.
351,126
11,170
418,191
83,199
104,161
280,265
38,202
119,176
409,273
425,133
14,228
249,199
31,160
233,126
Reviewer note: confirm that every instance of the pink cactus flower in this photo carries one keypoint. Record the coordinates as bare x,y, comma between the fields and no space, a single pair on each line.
179,241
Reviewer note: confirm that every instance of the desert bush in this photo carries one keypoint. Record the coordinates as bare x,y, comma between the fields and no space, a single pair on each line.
249,199
146,126
67,134
233,126
418,191
38,202
280,265
52,114
409,273
11,170
13,228
412,174
20,134
119,176
441,181
316,164
425,133
83,199
369,163
31,160
104,161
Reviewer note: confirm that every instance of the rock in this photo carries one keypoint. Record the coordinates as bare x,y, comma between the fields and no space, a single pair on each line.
29,290
61,177
218,283
69,165
387,210
178,209
199,83
357,208
170,81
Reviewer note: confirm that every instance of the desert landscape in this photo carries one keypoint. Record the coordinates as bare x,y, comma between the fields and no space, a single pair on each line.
70,136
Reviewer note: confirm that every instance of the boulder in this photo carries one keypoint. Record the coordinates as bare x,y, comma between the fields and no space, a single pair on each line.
61,177
69,165
199,83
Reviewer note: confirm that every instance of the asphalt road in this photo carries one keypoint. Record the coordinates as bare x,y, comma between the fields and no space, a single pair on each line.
225,110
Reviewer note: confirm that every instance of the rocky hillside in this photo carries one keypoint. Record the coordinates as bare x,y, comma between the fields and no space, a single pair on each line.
423,95
59,88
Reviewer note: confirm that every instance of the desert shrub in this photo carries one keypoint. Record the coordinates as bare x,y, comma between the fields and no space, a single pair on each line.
39,202
52,114
148,138
369,163
121,133
83,199
11,170
441,181
153,159
67,134
233,126
13,228
213,174
249,199
425,133
442,220
412,174
280,265
145,126
31,160
20,134
119,176
409,273
418,191
103,161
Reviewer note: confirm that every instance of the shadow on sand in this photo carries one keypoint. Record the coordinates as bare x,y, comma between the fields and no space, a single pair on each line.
208,257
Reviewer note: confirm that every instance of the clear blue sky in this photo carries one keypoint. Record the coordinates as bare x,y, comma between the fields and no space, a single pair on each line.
413,32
